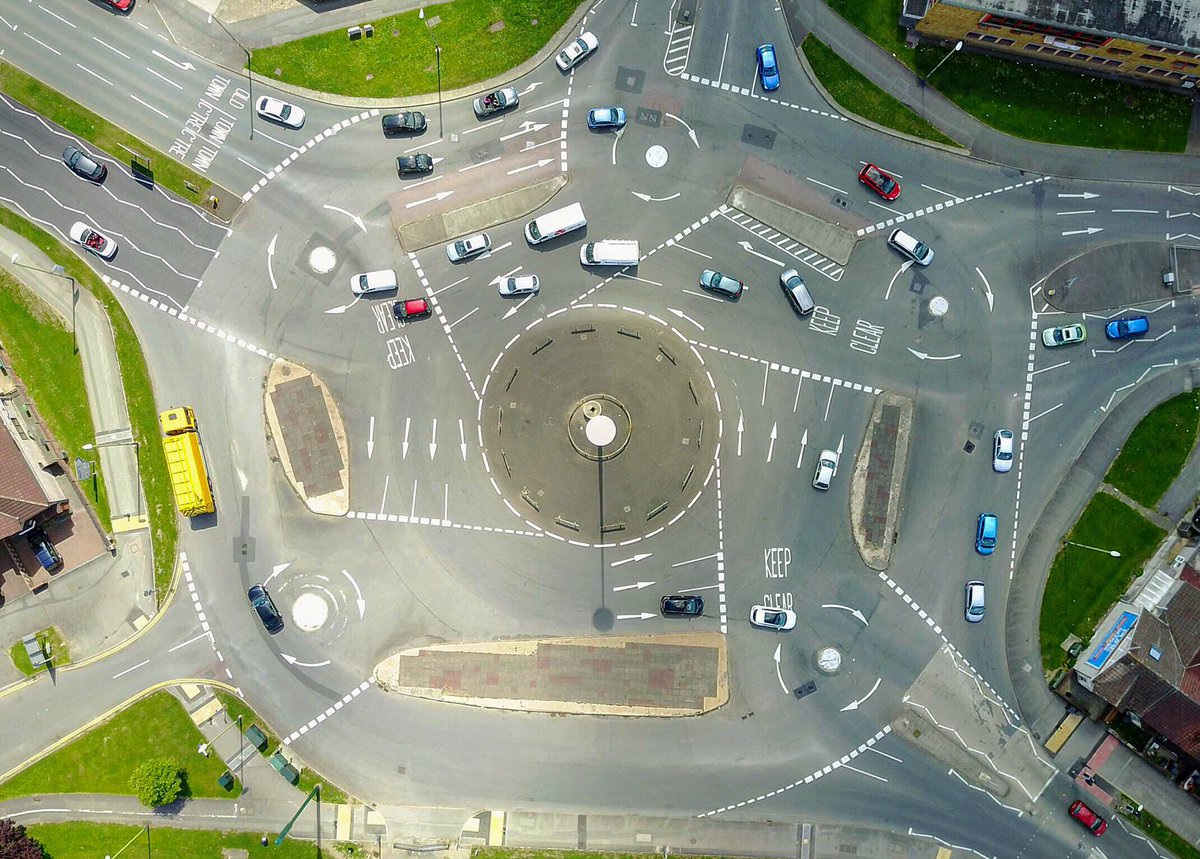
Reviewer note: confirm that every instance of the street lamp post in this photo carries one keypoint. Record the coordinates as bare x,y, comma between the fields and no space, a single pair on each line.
1111,552
137,454
437,49
59,271
249,80
957,47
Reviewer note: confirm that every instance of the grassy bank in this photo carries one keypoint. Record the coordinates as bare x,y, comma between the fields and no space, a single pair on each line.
90,840
1156,450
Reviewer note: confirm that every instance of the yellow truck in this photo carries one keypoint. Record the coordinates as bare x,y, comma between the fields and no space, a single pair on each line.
185,461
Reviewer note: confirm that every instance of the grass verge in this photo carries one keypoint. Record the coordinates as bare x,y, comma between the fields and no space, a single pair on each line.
139,398
1028,101
53,644
400,59
1164,835
851,89
1156,450
103,759
1084,584
81,122
235,707
89,840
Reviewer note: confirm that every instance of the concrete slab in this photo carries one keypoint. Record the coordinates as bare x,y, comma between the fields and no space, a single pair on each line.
1111,277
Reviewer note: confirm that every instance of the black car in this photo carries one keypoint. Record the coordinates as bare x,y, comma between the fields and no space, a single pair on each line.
405,122
420,163
682,605
47,555
83,165
260,600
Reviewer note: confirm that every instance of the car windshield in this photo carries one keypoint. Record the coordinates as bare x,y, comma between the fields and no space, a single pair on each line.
773,617
285,112
886,183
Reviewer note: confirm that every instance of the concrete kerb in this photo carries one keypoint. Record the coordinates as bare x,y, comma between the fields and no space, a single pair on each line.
879,557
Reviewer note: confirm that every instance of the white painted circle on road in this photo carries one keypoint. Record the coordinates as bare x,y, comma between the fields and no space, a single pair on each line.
829,659
310,612
938,305
601,430
656,156
322,259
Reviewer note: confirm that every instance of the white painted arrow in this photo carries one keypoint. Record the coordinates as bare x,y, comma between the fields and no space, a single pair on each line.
987,288
371,438
357,220
342,308
803,444
404,444
683,315
641,556
907,265
691,133
439,196
276,570
643,616
646,198
462,440
1086,195
741,427
271,253
750,250
1088,231
518,306
527,127
362,603
433,444
638,586
778,670
858,614
854,705
291,660
531,88
774,435
187,67
541,162
925,356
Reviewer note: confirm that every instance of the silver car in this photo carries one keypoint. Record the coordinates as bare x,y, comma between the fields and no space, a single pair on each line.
494,102
974,602
915,250
714,281
827,464
1002,450
468,247
1061,335
524,285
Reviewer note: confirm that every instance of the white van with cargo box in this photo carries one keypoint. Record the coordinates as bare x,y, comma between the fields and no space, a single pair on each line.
610,252
555,223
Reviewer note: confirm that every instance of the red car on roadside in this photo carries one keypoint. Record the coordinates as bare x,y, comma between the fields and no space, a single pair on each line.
411,308
1095,824
880,182
120,5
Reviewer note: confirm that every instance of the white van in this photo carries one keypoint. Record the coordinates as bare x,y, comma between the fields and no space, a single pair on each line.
610,252
555,223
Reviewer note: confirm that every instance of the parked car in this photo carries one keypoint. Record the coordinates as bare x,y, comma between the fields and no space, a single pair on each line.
261,602
120,5
408,309
573,54
1062,335
405,122
985,533
917,251
420,163
46,554
768,69
1094,823
714,281
280,111
779,619
83,165
527,284
371,282
606,117
880,182
93,240
974,602
494,102
682,605
827,465
1002,450
1126,326
470,246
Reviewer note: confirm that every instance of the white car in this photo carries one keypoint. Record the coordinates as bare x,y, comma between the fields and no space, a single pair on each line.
370,282
527,284
827,464
1002,450
1062,335
468,247
280,111
93,240
772,618
570,56
915,250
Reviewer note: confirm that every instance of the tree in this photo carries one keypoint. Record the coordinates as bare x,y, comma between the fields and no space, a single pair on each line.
16,844
156,782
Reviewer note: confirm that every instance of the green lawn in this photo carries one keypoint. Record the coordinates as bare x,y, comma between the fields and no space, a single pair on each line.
1030,101
851,89
400,60
139,397
40,347
52,643
1156,450
1179,846
92,840
1084,584
102,760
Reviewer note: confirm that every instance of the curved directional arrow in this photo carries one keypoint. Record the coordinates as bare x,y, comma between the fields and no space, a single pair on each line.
858,614
646,198
276,570
925,356
342,308
987,288
291,660
271,253
778,671
853,705
362,603
357,220
902,270
683,315
691,133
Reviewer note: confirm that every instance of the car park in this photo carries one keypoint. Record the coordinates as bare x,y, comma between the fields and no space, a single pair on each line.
494,102
367,283
779,619
974,604
985,533
421,163
280,111
880,182
527,284
682,605
714,281
911,247
768,69
606,117
83,165
1063,335
405,122
573,54
1002,450
797,292
466,248
1126,326
408,309
262,604
1091,821
827,465
93,240
46,554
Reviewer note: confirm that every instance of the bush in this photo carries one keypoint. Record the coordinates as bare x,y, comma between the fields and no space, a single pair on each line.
157,782
16,844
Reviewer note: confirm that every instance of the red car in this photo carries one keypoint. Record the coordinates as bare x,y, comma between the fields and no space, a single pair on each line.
1095,824
411,308
879,182
122,5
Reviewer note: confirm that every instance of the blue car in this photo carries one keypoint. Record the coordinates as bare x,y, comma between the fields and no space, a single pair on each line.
606,117
985,533
1127,326
768,69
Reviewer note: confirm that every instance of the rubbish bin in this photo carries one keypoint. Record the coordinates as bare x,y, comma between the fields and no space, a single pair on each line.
226,780
256,737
